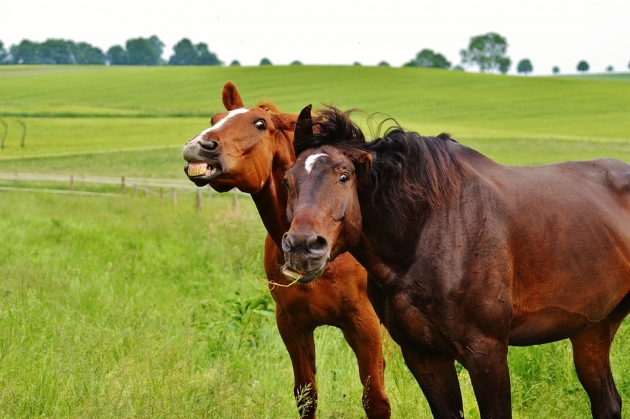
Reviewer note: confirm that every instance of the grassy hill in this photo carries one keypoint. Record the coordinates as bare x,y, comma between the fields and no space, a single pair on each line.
73,108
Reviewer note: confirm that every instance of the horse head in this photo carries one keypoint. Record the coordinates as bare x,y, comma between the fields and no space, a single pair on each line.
239,147
323,205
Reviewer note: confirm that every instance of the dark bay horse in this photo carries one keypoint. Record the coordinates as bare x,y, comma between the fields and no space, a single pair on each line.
466,256
251,149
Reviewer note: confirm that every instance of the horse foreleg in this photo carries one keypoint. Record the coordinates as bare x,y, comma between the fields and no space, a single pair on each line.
486,362
300,344
437,377
364,337
591,355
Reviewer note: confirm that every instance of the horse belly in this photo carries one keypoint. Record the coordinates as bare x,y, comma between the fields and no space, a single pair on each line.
571,265
566,302
548,325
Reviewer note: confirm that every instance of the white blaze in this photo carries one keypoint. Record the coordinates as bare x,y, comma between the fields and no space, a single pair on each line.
310,161
221,122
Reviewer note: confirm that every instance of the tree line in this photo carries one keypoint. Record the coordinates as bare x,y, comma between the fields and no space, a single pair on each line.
137,51
488,52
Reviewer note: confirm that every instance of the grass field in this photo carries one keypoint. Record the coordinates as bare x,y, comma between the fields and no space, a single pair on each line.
124,307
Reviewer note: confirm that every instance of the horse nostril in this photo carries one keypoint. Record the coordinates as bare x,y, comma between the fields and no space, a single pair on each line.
287,242
209,145
317,244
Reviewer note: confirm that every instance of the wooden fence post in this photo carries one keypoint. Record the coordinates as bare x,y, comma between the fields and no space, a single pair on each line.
209,191
23,141
161,196
122,185
235,200
174,195
146,191
199,201
71,183
4,135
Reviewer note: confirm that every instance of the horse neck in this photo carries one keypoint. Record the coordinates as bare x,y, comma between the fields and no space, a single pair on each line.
271,200
386,249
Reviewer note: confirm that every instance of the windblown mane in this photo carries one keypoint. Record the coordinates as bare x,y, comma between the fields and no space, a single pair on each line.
408,170
282,121
268,107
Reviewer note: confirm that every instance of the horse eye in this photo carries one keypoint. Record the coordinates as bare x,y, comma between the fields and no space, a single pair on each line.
344,178
286,183
260,124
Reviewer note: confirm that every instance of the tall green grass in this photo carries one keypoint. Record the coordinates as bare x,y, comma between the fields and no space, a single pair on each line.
121,307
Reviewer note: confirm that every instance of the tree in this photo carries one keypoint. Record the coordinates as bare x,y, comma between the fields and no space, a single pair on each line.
117,55
158,47
504,65
555,69
610,69
26,52
88,54
428,58
265,61
487,51
582,66
143,51
383,64
56,51
188,54
205,57
524,66
3,54
235,63
296,62
184,53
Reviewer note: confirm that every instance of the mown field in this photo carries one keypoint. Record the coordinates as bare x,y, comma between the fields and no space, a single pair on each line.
120,307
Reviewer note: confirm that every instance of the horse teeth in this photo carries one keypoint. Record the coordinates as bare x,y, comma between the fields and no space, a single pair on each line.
197,168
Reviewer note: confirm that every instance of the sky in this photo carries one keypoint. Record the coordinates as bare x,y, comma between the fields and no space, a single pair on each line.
339,32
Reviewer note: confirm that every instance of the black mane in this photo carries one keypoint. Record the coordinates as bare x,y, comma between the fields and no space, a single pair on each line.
408,170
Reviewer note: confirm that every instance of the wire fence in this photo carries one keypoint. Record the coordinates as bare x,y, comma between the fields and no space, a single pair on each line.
165,189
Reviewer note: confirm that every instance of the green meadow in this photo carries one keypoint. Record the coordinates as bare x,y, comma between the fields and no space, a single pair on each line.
127,307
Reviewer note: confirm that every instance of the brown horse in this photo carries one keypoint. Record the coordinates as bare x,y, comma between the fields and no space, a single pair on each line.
469,256
250,149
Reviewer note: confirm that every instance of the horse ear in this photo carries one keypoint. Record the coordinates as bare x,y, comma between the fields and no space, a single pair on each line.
231,97
304,124
363,165
284,121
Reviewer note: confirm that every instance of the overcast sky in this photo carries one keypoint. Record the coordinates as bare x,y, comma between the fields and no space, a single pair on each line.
548,32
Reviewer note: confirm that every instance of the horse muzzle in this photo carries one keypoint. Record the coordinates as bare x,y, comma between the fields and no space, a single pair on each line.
203,161
306,256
